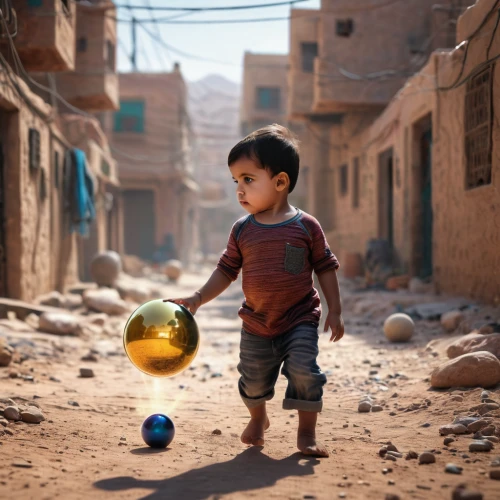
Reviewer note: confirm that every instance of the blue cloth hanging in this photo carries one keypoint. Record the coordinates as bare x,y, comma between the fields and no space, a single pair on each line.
83,210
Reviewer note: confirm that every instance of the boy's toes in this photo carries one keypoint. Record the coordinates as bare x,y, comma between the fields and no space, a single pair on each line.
258,441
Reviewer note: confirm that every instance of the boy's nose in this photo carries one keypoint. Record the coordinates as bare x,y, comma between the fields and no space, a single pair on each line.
239,190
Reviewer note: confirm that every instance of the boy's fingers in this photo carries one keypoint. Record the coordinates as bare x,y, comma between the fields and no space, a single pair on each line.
327,325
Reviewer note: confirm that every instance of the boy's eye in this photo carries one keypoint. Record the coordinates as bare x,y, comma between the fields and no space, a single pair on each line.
248,180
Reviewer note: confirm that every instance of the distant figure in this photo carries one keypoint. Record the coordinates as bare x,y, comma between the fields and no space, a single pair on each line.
277,247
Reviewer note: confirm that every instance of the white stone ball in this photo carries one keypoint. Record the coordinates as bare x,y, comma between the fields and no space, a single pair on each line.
173,269
105,268
399,327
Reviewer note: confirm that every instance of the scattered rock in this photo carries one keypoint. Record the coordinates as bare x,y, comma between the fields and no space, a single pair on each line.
477,425
376,408
383,451
392,496
478,369
484,445
59,323
451,319
364,407
411,455
20,462
32,415
448,441
488,431
395,454
426,458
474,342
489,328
453,469
461,493
217,432
445,430
106,300
495,474
86,372
12,413
399,327
484,408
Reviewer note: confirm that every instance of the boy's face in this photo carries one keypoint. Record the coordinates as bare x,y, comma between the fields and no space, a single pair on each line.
255,189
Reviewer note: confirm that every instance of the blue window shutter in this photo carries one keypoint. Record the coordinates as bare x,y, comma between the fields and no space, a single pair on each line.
130,117
35,3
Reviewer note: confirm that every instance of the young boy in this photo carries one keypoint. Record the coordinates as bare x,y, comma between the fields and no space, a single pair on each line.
277,247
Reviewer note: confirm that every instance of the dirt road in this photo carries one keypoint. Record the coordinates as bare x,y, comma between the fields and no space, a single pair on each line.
90,443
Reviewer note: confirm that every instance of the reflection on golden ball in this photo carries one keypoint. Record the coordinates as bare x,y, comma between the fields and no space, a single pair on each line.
161,338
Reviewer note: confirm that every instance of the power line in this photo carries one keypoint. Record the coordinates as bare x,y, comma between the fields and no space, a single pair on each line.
205,9
182,53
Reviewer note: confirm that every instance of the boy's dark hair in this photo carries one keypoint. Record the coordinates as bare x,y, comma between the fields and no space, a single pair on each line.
274,148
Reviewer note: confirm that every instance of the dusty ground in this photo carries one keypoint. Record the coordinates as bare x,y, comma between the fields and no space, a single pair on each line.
90,444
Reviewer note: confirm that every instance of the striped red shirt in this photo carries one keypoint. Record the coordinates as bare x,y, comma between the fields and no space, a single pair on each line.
277,261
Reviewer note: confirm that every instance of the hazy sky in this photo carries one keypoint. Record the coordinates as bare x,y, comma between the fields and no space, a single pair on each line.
220,42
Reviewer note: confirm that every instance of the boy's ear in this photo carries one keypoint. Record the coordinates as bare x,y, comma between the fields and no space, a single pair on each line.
282,181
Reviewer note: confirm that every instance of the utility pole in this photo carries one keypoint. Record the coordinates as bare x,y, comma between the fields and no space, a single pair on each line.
133,57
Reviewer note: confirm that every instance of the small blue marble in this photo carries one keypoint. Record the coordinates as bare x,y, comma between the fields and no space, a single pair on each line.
158,431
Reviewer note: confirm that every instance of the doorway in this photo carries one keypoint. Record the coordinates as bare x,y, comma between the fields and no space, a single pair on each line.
3,252
422,181
386,196
139,223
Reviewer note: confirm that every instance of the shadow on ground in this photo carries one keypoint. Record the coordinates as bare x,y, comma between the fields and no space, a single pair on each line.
250,470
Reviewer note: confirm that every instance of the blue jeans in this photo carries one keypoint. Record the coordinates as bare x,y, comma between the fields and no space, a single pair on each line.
260,362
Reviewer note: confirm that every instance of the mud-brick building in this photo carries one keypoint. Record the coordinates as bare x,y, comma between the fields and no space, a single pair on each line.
40,237
151,139
265,100
424,175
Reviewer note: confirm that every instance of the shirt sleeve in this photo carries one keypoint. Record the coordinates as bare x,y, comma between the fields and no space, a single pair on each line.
323,258
231,259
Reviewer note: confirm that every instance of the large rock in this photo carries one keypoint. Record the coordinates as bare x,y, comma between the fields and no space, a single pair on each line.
173,269
59,323
399,327
474,342
106,300
6,353
105,268
478,369
450,320
128,289
54,299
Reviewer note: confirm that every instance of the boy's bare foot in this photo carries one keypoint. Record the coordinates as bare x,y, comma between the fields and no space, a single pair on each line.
254,432
306,435
307,444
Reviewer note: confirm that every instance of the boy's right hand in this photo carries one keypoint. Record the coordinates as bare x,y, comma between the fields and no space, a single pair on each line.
192,303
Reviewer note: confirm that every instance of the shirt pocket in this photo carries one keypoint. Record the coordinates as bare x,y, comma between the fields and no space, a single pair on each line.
294,259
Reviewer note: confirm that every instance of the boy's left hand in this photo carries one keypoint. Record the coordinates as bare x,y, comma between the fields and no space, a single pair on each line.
336,323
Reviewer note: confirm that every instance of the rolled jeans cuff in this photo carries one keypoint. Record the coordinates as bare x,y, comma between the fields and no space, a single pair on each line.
254,402
298,404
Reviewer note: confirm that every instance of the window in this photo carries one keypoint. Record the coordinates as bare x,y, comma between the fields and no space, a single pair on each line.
81,44
268,97
56,169
478,125
309,53
130,117
35,3
34,148
355,183
110,55
343,180
345,27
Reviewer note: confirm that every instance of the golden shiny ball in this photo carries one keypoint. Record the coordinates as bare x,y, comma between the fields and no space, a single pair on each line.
161,338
